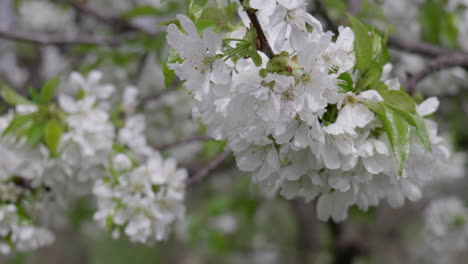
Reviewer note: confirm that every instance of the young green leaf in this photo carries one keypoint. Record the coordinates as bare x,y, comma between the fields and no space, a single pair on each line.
12,97
35,133
196,8
346,84
419,125
48,91
142,10
362,44
53,134
19,122
370,77
398,133
169,74
399,100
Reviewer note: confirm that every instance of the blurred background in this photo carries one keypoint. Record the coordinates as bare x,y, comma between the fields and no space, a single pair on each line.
228,219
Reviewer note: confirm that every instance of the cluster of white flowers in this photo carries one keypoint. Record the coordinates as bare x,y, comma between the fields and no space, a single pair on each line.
133,185
17,198
293,126
18,234
142,193
143,200
445,231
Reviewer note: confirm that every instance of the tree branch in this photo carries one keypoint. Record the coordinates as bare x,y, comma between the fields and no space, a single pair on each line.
346,248
354,7
263,46
181,142
306,230
442,62
47,39
117,24
418,47
210,167
322,12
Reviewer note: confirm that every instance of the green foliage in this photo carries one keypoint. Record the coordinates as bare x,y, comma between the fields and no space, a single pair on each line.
398,132
142,10
20,123
53,134
36,132
438,26
11,97
347,83
398,116
370,78
195,8
244,48
169,74
363,45
211,148
48,91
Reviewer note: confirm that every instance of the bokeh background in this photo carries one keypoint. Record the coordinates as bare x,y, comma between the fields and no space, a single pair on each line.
228,219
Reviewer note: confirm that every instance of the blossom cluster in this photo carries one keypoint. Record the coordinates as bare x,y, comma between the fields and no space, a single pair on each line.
56,151
445,231
303,121
142,193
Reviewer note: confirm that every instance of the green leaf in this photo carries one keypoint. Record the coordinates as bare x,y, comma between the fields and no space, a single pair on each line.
420,126
48,91
142,10
399,100
12,97
53,134
196,8
19,122
449,30
370,78
169,74
398,133
398,116
362,45
35,133
429,14
347,82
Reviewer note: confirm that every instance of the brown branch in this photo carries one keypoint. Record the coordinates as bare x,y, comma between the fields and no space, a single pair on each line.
320,11
354,7
117,24
152,97
263,46
440,63
48,39
181,142
418,47
346,245
210,167
306,230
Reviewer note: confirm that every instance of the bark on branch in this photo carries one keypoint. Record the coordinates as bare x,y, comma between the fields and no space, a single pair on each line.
440,63
210,167
48,39
263,46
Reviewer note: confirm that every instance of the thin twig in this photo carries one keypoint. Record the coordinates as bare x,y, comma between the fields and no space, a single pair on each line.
48,39
354,7
263,46
418,47
210,167
188,140
320,11
152,97
140,67
116,23
442,62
